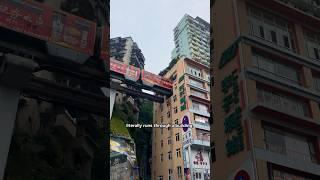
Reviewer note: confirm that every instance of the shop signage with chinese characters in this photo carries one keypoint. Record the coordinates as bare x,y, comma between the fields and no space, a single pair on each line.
232,122
26,17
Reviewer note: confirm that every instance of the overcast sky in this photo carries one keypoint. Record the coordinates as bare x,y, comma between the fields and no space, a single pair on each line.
150,23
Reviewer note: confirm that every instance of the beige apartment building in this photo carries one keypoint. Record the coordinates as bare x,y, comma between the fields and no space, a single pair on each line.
182,153
266,90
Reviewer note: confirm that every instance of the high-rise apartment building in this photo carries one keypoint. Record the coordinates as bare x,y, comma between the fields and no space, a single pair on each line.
179,153
266,89
192,39
127,51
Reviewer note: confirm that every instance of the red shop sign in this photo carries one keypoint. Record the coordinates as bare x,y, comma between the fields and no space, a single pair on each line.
73,32
26,17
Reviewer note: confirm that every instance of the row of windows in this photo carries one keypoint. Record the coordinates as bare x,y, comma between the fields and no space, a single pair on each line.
290,144
169,139
170,171
277,31
178,155
286,72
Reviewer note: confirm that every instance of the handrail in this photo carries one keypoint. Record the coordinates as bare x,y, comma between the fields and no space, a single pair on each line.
278,75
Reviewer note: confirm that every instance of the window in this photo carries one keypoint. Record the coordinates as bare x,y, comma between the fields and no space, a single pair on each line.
176,121
169,155
175,110
270,28
273,37
178,137
316,53
286,41
161,157
174,98
261,31
283,102
168,114
161,143
194,71
292,145
273,68
178,151
197,175
316,83
169,140
179,171
160,177
313,44
170,174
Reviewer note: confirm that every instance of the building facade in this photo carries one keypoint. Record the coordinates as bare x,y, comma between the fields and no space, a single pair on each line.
177,152
127,51
192,38
265,90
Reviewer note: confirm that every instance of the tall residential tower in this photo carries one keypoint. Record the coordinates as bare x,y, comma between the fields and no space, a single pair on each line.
127,51
192,38
266,89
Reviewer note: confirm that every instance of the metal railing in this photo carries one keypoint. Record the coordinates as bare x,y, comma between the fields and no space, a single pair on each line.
276,75
292,153
283,103
201,123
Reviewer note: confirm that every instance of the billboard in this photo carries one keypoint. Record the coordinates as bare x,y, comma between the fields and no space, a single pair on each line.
39,21
26,17
129,72
73,32
151,79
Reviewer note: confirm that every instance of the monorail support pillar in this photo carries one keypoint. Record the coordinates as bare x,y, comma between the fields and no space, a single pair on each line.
15,72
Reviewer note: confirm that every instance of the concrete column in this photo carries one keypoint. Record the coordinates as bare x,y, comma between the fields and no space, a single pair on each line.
9,99
307,77
112,100
15,72
300,40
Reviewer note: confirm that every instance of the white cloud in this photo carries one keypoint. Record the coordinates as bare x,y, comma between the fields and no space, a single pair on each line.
151,22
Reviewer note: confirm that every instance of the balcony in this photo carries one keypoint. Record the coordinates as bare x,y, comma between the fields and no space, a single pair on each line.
198,87
203,142
306,11
200,111
286,109
202,79
288,158
200,125
291,153
310,7
283,83
200,96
